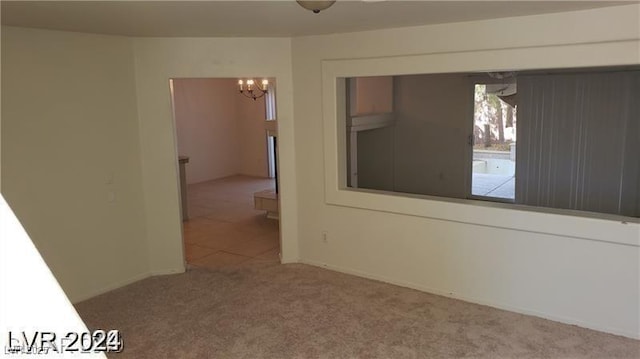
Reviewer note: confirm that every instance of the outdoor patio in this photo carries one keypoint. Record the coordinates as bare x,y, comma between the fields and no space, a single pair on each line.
492,185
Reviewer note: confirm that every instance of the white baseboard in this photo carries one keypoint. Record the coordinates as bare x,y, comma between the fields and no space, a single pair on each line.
110,287
167,271
290,260
123,283
511,308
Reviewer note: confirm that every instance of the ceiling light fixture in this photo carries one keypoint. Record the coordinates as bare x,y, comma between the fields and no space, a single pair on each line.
315,6
253,91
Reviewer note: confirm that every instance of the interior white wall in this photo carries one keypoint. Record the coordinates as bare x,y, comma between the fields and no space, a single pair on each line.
71,156
35,300
593,283
206,115
252,136
158,60
222,132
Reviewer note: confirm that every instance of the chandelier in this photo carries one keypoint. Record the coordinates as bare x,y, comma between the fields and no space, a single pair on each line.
252,90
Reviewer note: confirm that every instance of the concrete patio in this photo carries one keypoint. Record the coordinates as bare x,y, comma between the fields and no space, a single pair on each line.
492,185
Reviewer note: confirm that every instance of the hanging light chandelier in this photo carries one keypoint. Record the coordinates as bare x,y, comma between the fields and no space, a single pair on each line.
252,90
315,6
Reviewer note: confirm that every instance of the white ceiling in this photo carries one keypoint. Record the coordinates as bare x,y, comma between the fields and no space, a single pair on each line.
262,18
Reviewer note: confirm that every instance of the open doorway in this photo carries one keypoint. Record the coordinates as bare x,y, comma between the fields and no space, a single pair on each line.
494,141
226,154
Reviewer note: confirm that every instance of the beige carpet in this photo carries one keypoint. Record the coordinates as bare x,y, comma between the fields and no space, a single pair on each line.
265,310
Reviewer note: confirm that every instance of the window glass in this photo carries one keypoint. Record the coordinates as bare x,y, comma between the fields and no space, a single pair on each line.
574,135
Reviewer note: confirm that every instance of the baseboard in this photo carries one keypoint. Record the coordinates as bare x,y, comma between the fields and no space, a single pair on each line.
290,260
110,287
564,320
167,271
123,283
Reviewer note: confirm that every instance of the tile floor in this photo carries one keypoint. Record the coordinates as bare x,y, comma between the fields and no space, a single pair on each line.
223,228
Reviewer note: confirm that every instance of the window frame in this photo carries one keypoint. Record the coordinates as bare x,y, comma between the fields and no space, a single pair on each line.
568,223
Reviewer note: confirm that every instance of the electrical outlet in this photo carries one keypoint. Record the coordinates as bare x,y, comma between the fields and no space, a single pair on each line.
325,237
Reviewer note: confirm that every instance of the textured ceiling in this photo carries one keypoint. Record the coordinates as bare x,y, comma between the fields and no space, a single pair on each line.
262,18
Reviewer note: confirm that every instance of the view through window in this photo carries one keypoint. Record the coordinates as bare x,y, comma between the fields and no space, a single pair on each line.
494,139
563,139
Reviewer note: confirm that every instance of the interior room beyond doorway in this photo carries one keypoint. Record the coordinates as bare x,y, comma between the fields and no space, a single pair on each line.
226,146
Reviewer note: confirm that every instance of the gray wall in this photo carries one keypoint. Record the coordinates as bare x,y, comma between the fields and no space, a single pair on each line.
426,152
376,159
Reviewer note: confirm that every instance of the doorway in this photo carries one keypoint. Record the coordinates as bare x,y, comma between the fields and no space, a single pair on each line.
226,140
